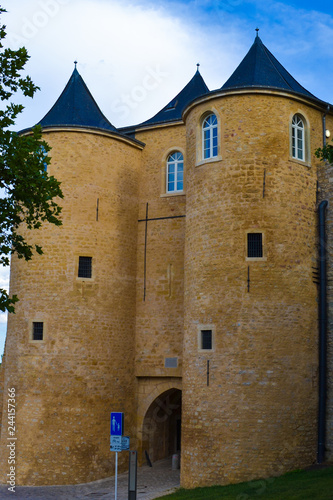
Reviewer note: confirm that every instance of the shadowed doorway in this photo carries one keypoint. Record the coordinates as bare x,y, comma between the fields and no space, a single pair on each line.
162,426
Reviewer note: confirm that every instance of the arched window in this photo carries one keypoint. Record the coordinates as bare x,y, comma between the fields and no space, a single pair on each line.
298,138
209,137
175,172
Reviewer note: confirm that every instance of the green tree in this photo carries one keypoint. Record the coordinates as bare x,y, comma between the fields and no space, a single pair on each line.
28,193
325,153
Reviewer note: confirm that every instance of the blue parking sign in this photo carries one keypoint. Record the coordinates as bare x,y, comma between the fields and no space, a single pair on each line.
117,424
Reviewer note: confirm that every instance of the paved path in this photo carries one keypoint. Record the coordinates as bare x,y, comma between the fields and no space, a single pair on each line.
153,482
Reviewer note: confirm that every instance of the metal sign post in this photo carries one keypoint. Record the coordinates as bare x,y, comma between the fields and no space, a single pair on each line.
132,475
118,442
116,431
116,477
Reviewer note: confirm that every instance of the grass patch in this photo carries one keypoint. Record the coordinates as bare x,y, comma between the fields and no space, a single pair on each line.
314,484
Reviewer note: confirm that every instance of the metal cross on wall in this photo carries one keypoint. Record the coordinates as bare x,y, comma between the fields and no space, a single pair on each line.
146,220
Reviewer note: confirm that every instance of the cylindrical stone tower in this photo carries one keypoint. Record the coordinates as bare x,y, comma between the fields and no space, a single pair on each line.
250,341
70,345
80,367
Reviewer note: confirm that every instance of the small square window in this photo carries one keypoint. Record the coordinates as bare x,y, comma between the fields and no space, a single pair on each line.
254,245
206,339
85,267
37,330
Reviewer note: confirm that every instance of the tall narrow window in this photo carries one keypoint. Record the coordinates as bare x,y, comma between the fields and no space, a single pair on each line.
85,267
37,330
209,137
206,340
298,138
254,245
175,172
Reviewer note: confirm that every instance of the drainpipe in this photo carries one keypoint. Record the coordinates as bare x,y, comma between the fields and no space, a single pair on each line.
322,334
322,321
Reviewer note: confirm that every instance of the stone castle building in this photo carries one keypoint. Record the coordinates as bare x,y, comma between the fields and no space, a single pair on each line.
185,287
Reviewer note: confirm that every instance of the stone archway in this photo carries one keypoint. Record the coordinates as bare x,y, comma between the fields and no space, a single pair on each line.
161,432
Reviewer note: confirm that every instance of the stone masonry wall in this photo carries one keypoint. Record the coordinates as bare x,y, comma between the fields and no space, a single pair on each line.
160,307
68,384
159,310
107,338
257,416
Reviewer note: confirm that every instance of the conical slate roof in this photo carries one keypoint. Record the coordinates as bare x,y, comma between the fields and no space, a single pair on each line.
260,68
76,107
173,110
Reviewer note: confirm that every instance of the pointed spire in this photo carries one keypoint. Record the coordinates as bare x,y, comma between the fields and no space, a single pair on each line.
76,107
260,68
196,87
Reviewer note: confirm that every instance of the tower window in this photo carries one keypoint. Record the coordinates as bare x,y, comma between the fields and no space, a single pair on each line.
209,137
206,339
85,267
254,245
298,138
175,172
37,330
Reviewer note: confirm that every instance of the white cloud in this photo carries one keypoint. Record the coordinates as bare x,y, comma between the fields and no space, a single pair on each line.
116,44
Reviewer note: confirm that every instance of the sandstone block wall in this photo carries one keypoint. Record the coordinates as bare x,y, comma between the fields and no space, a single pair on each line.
258,414
160,264
249,405
68,384
160,288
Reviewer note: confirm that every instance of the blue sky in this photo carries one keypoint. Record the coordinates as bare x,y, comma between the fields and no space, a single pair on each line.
118,43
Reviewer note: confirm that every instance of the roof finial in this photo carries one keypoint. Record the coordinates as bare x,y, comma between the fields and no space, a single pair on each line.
257,30
75,62
198,64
